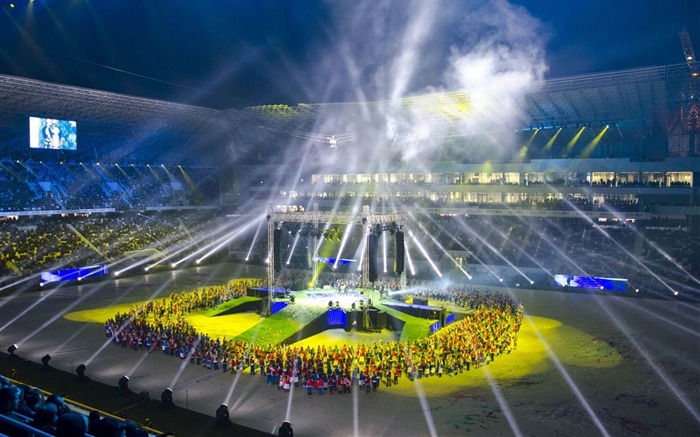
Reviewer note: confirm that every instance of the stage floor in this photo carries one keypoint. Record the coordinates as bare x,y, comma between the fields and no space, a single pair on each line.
584,365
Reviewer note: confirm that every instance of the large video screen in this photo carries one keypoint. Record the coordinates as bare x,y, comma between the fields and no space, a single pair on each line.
50,133
615,284
73,274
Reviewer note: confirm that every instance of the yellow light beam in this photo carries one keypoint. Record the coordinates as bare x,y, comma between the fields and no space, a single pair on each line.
187,178
551,141
526,146
573,141
590,147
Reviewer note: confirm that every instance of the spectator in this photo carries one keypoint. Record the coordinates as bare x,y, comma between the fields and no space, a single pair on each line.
9,400
45,418
109,427
57,400
71,425
93,422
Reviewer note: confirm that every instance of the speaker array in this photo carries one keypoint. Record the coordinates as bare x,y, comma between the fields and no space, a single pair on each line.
372,244
398,268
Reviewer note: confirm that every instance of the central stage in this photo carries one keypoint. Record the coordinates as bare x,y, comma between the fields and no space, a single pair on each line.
357,309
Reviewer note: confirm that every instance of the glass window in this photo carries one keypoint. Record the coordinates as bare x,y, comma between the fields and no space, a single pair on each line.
679,179
559,179
627,179
653,179
515,198
603,179
511,178
534,178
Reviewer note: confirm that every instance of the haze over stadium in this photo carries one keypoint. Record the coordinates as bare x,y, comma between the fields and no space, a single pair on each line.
239,184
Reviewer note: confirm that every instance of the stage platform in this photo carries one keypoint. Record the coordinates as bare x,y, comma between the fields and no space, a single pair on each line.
357,310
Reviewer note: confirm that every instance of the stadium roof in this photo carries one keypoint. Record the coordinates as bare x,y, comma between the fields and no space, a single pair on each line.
614,97
638,99
20,96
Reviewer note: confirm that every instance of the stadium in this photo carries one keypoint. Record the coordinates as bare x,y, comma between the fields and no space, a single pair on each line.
506,253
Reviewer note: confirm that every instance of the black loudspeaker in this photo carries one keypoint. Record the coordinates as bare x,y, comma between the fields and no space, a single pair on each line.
276,244
420,301
398,267
372,243
381,320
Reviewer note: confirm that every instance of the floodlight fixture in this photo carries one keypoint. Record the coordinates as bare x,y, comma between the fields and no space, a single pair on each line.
80,371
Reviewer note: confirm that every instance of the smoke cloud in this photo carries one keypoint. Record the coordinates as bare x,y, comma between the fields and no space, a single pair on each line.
443,79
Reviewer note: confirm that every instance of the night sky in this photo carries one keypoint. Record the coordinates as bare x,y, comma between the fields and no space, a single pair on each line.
240,53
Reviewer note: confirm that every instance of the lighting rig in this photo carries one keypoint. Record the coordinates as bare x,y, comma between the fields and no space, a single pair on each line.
392,228
312,220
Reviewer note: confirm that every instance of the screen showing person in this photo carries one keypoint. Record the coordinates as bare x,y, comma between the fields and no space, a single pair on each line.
51,133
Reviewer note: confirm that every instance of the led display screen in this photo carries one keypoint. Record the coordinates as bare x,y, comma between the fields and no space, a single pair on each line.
572,281
73,274
50,133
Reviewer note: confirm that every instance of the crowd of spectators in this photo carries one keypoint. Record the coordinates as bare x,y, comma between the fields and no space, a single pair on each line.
58,242
532,202
50,414
565,245
488,331
53,186
529,180
573,246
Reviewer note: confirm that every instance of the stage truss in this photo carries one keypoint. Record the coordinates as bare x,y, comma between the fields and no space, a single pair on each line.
316,218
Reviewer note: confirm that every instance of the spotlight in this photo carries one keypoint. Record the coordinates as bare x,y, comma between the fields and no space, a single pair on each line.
222,419
45,361
123,385
80,371
11,350
166,399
